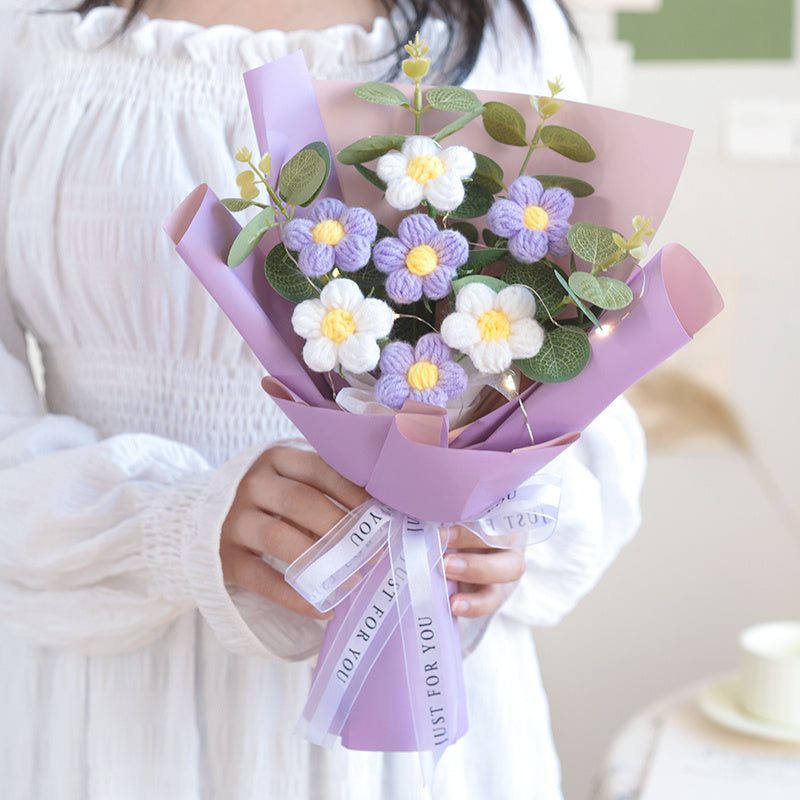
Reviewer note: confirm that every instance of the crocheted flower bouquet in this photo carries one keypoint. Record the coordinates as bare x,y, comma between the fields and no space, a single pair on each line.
441,313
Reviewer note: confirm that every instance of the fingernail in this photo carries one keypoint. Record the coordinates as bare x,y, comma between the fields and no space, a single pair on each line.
460,607
454,565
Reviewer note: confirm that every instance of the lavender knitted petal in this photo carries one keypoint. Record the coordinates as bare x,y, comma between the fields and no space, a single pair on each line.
436,285
391,390
435,396
505,218
452,379
525,191
452,248
361,222
397,358
416,229
352,253
528,246
389,255
403,287
557,202
557,243
316,260
297,234
431,347
328,208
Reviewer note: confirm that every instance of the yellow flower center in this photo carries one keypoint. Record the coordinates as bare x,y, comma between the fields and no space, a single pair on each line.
338,324
425,168
421,260
493,325
423,375
329,231
535,218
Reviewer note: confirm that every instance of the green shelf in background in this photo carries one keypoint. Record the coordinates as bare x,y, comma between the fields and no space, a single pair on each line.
687,30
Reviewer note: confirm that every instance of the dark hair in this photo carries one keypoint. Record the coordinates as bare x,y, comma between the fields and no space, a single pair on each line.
466,21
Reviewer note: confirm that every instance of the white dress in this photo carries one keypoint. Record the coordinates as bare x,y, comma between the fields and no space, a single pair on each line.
127,670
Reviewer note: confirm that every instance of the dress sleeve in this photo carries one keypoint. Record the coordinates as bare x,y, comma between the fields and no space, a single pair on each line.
104,542
601,480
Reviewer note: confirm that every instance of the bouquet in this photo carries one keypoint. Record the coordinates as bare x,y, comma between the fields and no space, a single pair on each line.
441,311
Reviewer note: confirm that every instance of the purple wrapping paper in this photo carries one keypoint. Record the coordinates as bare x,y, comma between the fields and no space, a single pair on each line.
405,461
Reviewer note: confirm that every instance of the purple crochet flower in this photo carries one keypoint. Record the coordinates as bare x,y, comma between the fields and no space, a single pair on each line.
421,260
333,235
533,219
426,373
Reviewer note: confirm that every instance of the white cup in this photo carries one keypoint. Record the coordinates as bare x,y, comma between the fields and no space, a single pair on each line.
770,672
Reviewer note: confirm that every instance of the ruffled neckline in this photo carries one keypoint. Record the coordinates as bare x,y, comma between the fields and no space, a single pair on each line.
327,51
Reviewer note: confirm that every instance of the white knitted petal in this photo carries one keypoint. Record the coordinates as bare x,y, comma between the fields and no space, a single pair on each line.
374,317
392,166
526,338
516,302
459,161
445,192
492,357
475,299
341,293
460,331
359,353
416,146
307,318
404,194
321,354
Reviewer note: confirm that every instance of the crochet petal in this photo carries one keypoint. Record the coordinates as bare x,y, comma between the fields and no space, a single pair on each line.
445,192
389,255
452,248
297,234
557,242
373,317
416,229
328,208
452,379
321,354
527,245
557,202
404,193
361,222
342,293
352,253
359,353
505,218
516,303
474,299
492,357
315,260
416,146
437,284
431,347
307,318
460,331
403,287
435,396
397,357
525,191
459,161
526,339
391,390
392,166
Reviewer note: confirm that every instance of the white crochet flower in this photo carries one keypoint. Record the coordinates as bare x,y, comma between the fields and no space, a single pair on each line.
493,328
342,328
422,170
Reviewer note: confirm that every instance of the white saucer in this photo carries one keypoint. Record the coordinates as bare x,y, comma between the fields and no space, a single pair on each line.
719,701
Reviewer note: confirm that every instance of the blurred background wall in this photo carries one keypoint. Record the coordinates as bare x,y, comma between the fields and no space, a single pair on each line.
719,548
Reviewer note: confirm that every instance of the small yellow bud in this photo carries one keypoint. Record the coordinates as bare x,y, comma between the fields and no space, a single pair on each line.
555,86
549,107
243,155
265,164
619,241
416,68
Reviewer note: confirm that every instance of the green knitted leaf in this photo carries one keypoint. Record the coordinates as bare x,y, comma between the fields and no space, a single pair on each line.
564,354
285,278
567,142
250,236
541,278
371,147
594,243
477,201
303,176
601,291
575,186
381,93
453,98
505,124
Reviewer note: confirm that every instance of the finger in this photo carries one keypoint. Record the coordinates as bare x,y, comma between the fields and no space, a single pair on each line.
263,533
496,566
457,537
481,602
308,467
252,574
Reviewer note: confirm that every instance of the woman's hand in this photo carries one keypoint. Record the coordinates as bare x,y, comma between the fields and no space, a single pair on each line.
486,576
282,506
